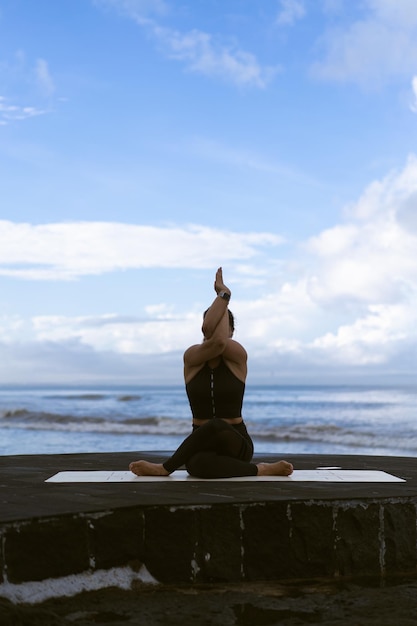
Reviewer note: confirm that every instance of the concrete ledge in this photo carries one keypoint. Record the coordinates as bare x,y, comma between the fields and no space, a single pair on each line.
198,532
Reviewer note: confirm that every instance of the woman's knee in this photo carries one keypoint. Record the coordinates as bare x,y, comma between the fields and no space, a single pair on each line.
199,464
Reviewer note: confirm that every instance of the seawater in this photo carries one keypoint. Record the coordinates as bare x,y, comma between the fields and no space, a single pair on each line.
281,419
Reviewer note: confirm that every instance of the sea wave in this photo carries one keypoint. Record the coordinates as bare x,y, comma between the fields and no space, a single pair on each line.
94,397
334,435
129,398
77,396
159,425
152,424
321,404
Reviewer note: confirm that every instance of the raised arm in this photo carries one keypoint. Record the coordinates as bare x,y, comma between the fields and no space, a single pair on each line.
215,314
197,355
217,330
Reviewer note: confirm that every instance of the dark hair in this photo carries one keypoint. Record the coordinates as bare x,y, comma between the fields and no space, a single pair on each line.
231,319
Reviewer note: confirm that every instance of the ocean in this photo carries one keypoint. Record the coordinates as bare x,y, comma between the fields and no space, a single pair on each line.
281,419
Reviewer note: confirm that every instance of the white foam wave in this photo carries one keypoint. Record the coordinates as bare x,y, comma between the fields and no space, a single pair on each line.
150,425
331,434
34,592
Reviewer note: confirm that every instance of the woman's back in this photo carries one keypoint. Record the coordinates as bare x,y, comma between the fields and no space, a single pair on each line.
215,393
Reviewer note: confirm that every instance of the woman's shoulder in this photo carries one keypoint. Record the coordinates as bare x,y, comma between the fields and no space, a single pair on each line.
234,351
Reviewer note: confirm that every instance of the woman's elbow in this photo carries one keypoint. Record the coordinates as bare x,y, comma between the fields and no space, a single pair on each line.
208,330
219,343
215,344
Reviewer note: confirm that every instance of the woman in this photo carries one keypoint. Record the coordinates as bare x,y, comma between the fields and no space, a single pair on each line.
215,374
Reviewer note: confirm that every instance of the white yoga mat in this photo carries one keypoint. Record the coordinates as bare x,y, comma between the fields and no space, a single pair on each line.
331,475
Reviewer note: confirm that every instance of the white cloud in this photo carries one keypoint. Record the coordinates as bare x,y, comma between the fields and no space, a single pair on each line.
160,333
347,298
290,12
401,12
205,55
372,263
413,105
371,338
362,278
69,250
332,7
11,327
371,258
17,75
354,303
36,362
10,112
374,49
388,196
135,9
199,51
44,78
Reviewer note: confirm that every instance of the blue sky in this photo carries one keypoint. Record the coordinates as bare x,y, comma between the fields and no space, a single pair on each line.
144,143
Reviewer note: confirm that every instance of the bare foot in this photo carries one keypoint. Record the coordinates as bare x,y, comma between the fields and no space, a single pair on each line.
279,468
146,468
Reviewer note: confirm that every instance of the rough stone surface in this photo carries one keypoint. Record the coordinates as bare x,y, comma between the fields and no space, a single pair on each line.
2,565
267,554
312,540
399,538
116,538
262,604
170,539
37,550
205,532
358,540
219,556
25,495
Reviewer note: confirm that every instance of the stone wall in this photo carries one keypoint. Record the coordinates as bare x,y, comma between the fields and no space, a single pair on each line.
218,543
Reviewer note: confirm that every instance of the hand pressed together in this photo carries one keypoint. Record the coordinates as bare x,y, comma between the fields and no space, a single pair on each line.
219,283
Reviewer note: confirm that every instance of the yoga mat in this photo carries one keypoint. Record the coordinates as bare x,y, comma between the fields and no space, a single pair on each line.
317,475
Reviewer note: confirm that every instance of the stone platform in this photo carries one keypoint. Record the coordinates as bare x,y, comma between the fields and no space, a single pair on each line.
203,531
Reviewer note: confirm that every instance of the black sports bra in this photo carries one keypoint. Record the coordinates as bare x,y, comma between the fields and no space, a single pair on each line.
215,393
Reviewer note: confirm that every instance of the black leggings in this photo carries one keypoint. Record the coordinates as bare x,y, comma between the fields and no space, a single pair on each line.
215,450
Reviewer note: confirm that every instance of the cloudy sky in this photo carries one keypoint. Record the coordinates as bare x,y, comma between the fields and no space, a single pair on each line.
143,143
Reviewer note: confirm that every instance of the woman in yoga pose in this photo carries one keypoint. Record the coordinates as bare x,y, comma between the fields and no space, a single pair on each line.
215,374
